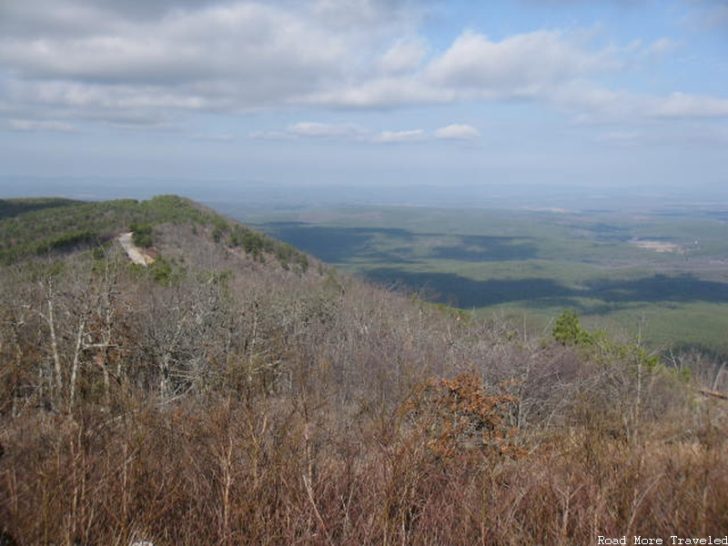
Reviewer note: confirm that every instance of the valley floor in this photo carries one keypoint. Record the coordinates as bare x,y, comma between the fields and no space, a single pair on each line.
658,275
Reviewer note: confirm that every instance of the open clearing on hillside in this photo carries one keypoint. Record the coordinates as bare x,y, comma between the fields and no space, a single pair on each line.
136,254
657,246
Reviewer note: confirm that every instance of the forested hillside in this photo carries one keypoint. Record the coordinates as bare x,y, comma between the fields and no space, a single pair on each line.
43,227
237,391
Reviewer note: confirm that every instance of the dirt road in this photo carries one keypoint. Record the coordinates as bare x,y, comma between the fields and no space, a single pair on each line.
136,254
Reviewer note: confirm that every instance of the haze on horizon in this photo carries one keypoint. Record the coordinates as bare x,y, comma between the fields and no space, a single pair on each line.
360,93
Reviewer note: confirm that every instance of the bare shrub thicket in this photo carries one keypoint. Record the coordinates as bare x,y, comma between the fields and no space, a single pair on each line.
230,401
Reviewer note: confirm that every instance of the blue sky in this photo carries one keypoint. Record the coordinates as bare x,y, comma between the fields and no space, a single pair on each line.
356,92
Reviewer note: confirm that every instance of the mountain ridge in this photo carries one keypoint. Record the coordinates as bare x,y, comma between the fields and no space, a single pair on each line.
40,226
234,393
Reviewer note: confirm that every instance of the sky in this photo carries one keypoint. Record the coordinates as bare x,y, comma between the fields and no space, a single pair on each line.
629,93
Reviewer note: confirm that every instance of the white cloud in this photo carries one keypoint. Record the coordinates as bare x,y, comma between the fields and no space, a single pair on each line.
681,105
313,129
382,92
619,138
198,49
40,125
213,137
590,102
403,56
215,57
711,14
593,104
115,58
370,14
661,46
526,66
520,65
412,135
270,135
354,133
457,132
145,63
323,130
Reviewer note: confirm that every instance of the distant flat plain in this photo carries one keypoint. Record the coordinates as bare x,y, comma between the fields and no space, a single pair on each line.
661,275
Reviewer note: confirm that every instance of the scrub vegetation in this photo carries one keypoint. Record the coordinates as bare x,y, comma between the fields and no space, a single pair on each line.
229,394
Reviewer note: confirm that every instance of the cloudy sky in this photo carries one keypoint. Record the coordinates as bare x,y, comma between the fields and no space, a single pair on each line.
359,91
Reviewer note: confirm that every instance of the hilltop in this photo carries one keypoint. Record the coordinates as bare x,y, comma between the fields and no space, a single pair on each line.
38,227
239,391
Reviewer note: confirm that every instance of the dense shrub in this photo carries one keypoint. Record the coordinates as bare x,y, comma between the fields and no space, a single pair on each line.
568,330
142,235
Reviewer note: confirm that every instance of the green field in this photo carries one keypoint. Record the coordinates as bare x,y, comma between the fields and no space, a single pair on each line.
661,275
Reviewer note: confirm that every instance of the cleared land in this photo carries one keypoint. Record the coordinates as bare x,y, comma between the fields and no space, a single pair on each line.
136,254
658,246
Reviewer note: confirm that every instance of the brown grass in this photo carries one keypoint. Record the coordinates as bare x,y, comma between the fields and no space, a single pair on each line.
274,472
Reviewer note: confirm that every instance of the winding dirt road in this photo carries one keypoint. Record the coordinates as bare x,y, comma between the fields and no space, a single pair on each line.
136,254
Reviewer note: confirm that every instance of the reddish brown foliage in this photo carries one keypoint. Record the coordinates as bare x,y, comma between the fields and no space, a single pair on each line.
458,416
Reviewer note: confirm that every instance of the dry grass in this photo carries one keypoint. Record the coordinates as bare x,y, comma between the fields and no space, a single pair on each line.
276,472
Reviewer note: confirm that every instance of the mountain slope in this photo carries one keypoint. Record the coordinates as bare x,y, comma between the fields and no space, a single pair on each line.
41,226
238,392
